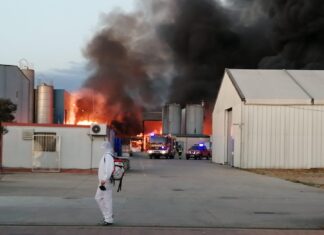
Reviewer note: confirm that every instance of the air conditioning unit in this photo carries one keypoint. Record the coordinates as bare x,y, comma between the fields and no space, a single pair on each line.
98,129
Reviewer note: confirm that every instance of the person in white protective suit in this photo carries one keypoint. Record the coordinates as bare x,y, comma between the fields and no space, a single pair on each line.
104,191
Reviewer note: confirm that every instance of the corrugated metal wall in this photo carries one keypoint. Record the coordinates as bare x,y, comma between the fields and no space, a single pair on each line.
318,137
282,136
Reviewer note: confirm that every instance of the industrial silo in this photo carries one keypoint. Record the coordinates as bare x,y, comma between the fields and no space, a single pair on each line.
171,119
30,74
183,121
45,99
194,119
165,119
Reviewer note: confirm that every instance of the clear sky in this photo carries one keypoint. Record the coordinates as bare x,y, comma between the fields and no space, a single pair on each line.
51,34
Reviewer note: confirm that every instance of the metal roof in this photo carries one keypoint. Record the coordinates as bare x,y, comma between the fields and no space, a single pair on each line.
278,86
312,81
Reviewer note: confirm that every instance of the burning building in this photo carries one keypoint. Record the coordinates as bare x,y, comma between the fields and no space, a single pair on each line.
152,123
177,51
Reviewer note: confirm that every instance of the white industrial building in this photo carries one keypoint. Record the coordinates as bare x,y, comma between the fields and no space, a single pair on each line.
269,119
17,85
52,148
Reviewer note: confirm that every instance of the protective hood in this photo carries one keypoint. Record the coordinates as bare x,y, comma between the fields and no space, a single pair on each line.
107,147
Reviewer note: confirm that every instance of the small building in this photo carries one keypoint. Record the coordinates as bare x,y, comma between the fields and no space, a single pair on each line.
269,119
53,147
152,122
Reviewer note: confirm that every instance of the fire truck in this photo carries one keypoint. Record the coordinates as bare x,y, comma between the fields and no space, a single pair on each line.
160,146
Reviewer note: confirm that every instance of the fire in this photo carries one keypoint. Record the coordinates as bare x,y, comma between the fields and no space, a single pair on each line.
152,127
89,106
86,107
85,123
208,120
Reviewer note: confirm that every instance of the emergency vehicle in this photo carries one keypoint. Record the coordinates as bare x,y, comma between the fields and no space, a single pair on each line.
160,146
135,145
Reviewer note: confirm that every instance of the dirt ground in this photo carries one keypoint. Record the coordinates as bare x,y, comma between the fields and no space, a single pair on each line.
311,177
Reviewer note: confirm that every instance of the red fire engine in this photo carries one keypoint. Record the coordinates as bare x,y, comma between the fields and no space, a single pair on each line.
160,146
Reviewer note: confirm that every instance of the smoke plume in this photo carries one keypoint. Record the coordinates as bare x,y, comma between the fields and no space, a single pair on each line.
298,33
177,50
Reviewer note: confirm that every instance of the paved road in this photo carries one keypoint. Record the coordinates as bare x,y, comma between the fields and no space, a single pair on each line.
164,193
91,230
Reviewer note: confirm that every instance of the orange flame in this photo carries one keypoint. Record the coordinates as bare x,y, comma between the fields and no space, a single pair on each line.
88,112
152,127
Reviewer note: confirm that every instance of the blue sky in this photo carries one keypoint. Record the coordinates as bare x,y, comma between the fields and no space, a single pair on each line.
51,34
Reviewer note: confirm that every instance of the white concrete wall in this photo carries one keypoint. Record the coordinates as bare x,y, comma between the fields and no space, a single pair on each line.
227,98
78,149
16,152
283,136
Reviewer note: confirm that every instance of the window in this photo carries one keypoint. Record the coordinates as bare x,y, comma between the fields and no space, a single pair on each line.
45,141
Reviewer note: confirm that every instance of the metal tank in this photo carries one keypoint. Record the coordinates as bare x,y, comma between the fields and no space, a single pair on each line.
183,121
45,99
194,119
30,74
165,119
171,119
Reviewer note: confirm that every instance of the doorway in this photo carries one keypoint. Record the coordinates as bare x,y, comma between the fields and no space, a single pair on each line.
229,159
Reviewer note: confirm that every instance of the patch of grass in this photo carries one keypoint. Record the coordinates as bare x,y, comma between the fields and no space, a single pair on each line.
311,177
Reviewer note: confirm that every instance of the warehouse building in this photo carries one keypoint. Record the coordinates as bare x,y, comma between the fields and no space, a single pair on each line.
269,119
17,85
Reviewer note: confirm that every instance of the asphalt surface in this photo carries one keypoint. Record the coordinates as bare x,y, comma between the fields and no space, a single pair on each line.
162,197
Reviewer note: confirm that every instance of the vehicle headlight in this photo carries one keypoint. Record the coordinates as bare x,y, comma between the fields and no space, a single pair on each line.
163,151
150,151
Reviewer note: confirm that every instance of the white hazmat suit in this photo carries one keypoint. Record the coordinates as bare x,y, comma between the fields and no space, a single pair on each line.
105,169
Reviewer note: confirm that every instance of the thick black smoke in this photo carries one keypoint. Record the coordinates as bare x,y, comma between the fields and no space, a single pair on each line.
206,38
122,73
298,34
177,50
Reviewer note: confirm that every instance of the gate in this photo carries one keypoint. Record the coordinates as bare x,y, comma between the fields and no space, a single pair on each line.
46,152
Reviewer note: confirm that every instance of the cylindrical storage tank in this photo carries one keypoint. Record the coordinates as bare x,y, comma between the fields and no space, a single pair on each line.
171,114
183,121
45,99
30,74
165,119
194,119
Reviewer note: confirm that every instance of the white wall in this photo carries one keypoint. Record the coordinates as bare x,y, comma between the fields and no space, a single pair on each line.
78,149
227,98
283,136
